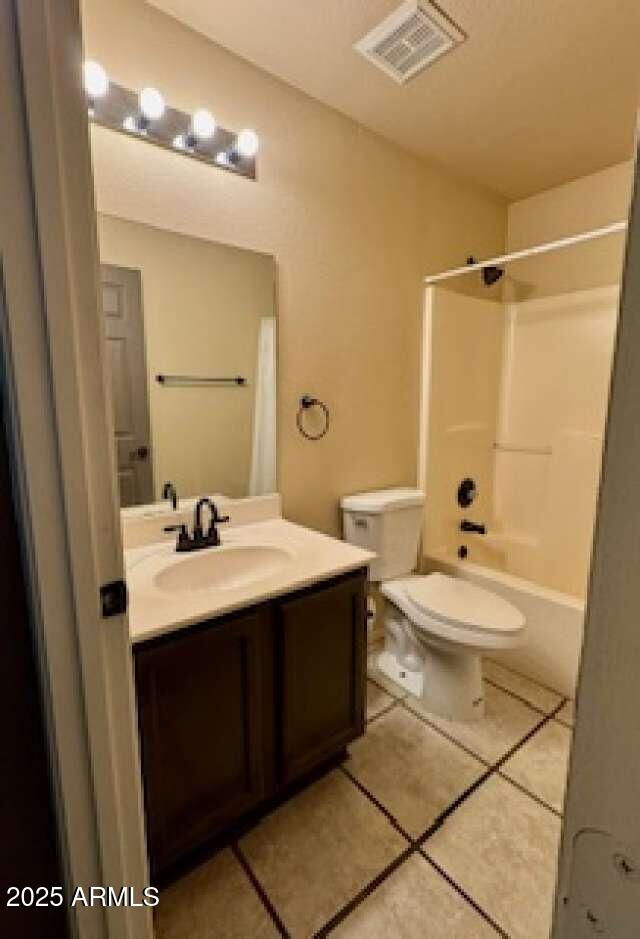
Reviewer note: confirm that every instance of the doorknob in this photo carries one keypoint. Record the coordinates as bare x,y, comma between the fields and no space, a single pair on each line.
141,453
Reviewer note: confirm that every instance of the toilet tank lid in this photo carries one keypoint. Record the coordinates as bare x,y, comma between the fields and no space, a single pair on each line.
382,500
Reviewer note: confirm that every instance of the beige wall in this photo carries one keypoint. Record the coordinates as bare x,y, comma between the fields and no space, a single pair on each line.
352,221
582,205
202,306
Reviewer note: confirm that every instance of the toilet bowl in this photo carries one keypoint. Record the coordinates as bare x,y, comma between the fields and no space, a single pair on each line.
436,629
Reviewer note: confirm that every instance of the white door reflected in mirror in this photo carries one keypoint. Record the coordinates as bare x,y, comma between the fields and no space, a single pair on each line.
201,315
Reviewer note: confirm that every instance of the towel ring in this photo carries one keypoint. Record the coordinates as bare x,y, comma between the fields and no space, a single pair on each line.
306,402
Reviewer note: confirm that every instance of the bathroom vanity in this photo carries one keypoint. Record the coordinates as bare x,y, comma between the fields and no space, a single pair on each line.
250,669
249,656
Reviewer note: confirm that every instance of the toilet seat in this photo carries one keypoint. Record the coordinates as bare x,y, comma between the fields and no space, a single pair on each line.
460,603
441,607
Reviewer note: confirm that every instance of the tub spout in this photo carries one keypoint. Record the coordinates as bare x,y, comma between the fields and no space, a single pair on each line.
478,529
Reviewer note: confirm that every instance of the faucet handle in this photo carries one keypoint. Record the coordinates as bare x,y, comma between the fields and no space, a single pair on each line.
215,514
216,519
169,491
183,542
213,536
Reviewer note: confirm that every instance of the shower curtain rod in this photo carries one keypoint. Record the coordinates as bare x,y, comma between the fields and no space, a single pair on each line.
528,252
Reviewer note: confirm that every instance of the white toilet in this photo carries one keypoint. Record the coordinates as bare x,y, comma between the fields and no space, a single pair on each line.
436,626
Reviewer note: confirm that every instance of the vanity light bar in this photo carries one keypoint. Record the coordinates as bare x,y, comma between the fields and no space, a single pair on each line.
146,115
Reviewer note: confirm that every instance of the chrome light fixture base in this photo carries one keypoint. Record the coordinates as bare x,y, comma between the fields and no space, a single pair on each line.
119,110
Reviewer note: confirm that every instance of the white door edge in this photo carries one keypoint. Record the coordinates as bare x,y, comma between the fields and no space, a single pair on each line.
53,338
598,890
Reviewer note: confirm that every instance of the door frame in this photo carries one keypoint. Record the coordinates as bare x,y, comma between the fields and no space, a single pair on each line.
53,340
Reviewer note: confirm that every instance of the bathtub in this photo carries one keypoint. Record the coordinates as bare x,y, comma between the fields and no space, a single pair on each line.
550,652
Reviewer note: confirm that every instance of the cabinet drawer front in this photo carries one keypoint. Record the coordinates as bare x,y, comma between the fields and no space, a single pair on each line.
200,710
322,660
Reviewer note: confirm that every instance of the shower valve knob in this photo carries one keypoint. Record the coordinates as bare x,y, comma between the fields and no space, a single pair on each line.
467,492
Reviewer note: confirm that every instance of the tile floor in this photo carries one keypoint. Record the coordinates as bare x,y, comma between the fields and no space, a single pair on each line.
430,830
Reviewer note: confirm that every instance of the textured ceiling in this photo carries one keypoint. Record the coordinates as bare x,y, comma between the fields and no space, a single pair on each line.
541,92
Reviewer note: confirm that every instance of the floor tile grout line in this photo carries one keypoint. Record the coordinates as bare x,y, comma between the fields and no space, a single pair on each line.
439,821
514,694
415,845
419,843
385,710
527,792
259,889
527,737
376,802
545,718
507,756
443,733
533,681
380,687
491,770
463,893
365,892
560,721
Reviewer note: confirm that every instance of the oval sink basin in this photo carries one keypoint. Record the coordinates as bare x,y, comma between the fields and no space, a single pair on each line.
224,568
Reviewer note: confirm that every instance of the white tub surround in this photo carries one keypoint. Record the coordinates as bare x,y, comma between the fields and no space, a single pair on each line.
256,562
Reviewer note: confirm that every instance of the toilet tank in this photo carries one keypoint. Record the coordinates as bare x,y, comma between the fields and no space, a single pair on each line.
388,522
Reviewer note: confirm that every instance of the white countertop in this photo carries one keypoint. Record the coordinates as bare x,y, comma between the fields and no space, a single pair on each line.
311,558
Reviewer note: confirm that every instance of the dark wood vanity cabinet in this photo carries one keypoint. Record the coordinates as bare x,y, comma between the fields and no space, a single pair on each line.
321,642
206,716
233,710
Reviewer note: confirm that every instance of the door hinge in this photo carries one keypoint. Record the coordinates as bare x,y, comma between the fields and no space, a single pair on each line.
113,598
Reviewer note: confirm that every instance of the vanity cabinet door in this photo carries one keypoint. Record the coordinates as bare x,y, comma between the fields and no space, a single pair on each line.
321,649
205,701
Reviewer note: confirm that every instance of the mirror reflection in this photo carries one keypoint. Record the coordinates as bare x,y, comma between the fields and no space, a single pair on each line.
191,360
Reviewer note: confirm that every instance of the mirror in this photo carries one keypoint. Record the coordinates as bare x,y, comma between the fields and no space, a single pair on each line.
191,362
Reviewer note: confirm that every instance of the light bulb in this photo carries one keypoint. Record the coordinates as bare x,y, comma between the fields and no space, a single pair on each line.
96,80
203,124
151,104
247,143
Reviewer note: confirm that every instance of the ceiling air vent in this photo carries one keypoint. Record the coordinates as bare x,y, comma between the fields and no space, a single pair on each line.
408,40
